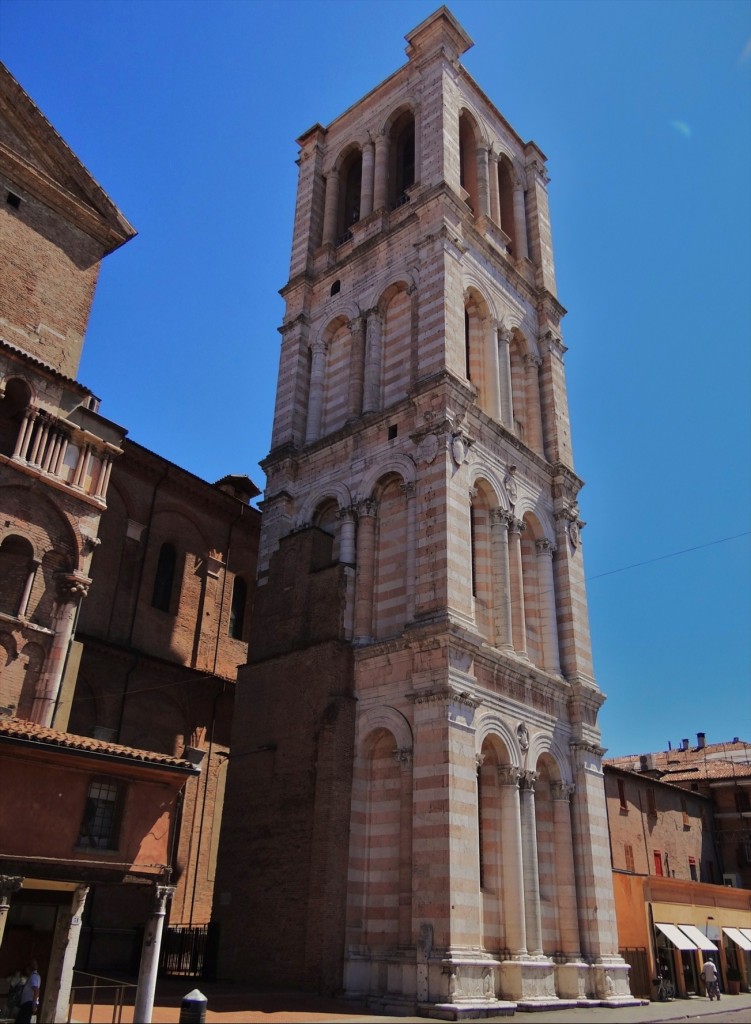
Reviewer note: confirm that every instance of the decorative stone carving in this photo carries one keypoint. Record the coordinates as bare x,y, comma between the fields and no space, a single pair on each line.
522,735
458,449
428,447
509,483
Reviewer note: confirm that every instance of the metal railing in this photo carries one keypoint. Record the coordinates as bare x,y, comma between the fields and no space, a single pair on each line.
98,991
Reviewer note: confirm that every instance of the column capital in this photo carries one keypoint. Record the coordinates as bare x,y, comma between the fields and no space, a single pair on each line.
347,514
409,489
367,509
508,775
562,790
357,324
527,780
501,517
516,526
545,547
71,586
319,346
532,360
162,893
550,344
403,756
8,885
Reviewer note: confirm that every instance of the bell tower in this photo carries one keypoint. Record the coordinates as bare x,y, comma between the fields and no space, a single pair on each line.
425,793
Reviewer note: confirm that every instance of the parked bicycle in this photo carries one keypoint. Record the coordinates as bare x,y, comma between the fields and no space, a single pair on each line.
665,988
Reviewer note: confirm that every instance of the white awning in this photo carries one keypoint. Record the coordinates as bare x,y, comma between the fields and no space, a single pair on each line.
738,937
676,936
698,938
746,932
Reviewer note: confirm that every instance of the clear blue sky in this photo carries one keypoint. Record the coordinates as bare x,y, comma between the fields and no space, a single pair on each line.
187,112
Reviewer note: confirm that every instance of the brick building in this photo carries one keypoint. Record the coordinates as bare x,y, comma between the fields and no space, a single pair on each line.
415,793
679,832
126,586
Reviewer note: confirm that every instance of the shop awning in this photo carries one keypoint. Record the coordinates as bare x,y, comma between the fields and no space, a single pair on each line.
746,932
698,938
738,938
676,936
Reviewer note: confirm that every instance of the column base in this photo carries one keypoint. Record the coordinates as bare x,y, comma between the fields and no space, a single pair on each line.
530,983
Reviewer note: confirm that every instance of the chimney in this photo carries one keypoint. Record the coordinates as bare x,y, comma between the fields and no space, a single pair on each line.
684,744
701,740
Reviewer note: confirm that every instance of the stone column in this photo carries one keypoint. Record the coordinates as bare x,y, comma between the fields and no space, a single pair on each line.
83,460
40,438
368,171
71,589
346,517
495,195
531,870
494,383
518,617
564,871
548,613
365,570
499,524
24,602
8,885
504,372
513,865
534,418
356,367
331,207
556,440
409,490
63,958
152,942
57,465
315,394
24,434
483,191
372,383
381,183
404,760
520,222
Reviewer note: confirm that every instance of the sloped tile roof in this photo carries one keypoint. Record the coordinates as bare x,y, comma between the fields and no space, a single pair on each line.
20,729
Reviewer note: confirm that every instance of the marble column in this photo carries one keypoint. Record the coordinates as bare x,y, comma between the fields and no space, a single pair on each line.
368,173
365,580
315,392
568,923
533,916
499,525
504,372
483,190
520,222
24,602
24,434
381,183
546,589
404,760
518,616
71,589
534,416
356,367
372,383
346,517
8,885
152,942
494,371
409,491
514,916
495,195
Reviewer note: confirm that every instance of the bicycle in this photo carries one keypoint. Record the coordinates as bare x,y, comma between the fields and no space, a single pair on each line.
665,988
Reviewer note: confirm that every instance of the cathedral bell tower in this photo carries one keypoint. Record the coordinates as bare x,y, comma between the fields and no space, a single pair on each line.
415,808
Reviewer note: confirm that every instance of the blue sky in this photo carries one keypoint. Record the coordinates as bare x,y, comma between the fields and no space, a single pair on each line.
187,112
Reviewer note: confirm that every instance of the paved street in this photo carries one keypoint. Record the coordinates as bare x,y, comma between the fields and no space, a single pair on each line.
231,1005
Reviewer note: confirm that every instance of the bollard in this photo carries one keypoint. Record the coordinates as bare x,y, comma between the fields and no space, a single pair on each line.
193,1008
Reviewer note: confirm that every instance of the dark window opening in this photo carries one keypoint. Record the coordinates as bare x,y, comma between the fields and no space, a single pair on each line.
100,816
692,869
336,288
164,578
473,545
237,609
13,200
349,202
467,374
651,804
402,160
393,430
480,828
622,795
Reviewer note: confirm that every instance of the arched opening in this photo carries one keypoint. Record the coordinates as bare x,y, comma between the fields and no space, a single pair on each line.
12,409
350,178
325,518
16,563
396,341
506,196
490,841
336,388
401,159
547,840
468,161
517,353
481,562
382,841
164,577
481,367
237,608
534,595
390,577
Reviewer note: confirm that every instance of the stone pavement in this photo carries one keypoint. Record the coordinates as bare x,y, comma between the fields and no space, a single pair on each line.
229,1004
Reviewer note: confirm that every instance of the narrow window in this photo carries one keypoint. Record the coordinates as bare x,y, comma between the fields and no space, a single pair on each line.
473,546
622,795
237,609
13,200
692,869
336,288
742,801
658,862
651,803
466,345
164,578
480,828
101,816
684,813
629,851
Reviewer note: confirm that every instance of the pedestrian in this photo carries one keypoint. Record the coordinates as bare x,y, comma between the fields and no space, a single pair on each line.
709,974
30,994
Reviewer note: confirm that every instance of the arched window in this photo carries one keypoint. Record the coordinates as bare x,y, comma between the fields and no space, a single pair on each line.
237,608
16,555
402,159
350,177
468,161
164,578
506,195
12,408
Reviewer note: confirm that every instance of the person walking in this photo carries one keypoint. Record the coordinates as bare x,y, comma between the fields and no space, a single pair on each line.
29,994
709,974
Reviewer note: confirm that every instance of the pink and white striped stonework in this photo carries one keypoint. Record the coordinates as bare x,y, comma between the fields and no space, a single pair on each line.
415,810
